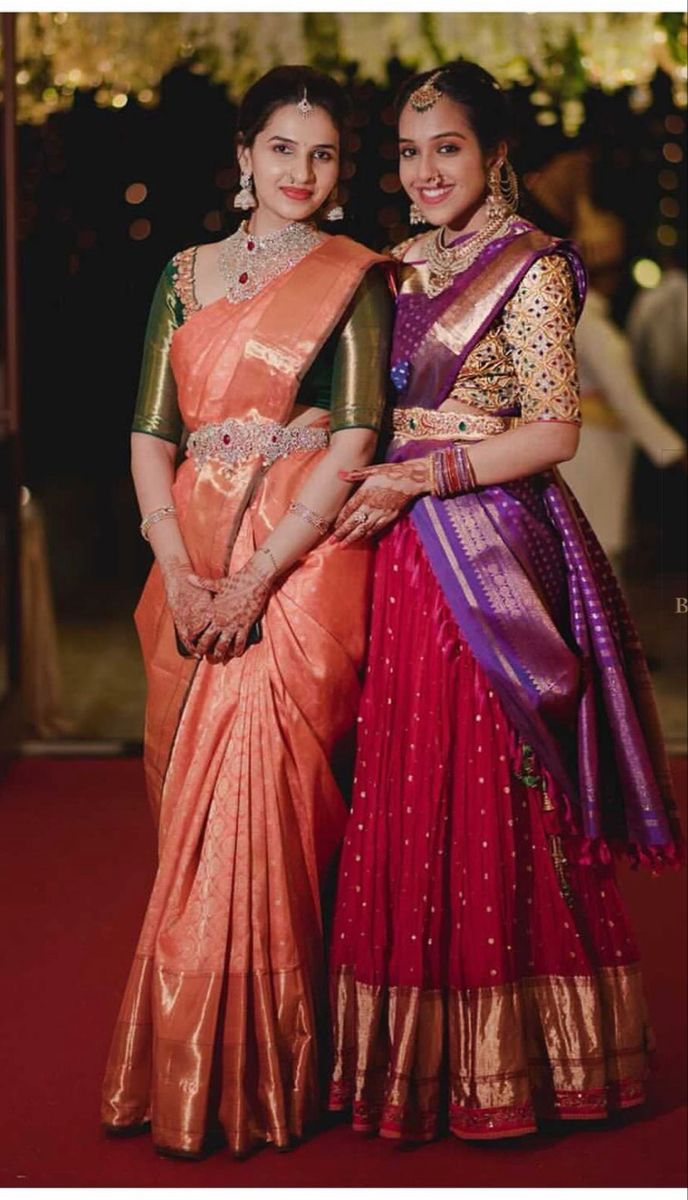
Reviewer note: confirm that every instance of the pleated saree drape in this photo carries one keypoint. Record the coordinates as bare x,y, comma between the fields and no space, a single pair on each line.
217,1032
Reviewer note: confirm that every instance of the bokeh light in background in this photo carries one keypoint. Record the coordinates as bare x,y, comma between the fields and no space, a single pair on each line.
136,193
140,229
647,273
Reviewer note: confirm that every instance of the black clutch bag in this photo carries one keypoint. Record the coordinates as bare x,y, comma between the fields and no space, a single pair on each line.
255,635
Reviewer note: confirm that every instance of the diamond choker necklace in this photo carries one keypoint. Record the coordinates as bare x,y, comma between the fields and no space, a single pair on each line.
249,263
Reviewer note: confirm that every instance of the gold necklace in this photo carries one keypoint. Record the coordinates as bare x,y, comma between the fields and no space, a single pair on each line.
444,262
248,263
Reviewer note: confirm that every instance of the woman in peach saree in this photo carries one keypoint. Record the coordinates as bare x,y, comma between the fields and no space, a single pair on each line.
270,348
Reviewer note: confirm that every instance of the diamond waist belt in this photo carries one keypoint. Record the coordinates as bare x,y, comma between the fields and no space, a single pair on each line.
234,440
428,423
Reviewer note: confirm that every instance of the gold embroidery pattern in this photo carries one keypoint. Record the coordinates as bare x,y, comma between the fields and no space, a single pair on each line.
184,262
539,323
275,356
487,380
568,1046
399,251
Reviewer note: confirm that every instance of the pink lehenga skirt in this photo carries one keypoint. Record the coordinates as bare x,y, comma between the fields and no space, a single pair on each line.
479,980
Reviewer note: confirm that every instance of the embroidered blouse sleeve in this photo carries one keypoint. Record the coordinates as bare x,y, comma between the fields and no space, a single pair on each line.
360,374
539,322
157,410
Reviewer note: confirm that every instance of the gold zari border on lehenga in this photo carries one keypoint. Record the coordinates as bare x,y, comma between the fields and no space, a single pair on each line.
572,1047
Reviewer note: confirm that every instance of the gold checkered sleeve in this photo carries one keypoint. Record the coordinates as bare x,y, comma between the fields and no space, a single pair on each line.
539,323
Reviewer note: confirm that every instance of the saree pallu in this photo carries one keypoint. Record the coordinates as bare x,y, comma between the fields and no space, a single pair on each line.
217,1034
533,594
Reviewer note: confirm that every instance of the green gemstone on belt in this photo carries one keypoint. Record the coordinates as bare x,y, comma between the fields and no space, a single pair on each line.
462,425
412,422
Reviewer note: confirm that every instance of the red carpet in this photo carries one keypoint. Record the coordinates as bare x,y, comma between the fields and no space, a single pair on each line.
76,863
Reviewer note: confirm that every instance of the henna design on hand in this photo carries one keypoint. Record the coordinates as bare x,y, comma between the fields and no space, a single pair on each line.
191,607
238,600
405,481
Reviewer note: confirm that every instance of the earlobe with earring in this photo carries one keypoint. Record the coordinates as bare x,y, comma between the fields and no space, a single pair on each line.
502,187
334,212
415,215
245,198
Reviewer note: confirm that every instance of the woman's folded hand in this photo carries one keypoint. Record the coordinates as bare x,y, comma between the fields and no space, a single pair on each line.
191,606
236,603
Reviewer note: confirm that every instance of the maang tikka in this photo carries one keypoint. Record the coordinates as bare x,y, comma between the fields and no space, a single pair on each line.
427,95
304,106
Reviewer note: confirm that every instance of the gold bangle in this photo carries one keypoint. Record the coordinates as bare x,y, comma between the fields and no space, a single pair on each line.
152,518
431,473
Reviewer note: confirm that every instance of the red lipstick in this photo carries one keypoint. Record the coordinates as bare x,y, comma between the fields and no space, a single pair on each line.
297,193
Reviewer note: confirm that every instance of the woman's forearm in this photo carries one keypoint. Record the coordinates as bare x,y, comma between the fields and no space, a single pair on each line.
323,494
523,451
152,468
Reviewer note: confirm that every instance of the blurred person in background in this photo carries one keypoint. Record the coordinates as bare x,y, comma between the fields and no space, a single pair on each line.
618,416
658,331
657,327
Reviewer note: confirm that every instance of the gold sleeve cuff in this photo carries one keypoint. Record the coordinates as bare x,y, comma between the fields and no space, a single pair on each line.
539,323
361,363
157,410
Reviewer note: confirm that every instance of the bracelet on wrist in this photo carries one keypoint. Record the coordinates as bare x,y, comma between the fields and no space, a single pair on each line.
152,518
267,552
310,516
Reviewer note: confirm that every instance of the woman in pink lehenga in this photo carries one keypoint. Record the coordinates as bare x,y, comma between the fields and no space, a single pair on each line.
271,348
483,970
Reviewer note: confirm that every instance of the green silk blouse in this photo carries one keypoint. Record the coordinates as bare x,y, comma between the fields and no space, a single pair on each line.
349,376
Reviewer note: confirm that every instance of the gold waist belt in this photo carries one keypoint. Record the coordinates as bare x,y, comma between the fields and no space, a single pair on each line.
235,440
428,423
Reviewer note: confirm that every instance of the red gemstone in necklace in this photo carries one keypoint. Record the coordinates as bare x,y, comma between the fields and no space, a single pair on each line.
250,245
243,278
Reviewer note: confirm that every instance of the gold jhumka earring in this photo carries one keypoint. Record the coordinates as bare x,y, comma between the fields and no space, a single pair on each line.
335,212
415,215
503,188
245,198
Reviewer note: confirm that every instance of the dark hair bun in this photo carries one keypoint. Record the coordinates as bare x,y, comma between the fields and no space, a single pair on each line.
478,92
287,85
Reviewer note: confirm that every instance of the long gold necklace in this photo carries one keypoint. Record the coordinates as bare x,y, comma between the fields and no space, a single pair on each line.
444,262
248,263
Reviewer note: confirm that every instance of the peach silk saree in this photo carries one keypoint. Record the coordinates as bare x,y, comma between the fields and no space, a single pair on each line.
216,1035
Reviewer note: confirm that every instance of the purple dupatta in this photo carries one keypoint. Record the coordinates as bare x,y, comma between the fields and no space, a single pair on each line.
532,591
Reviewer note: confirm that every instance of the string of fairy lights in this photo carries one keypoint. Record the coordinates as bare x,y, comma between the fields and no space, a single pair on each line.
120,60
124,56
